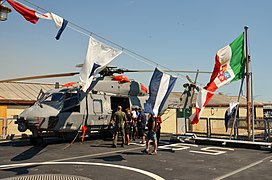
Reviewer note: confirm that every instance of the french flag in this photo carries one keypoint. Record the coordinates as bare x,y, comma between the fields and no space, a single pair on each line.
160,86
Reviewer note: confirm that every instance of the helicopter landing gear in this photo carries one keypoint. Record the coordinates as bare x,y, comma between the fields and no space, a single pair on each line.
107,133
36,140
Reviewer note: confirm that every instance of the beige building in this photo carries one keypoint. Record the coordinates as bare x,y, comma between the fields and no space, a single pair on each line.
14,98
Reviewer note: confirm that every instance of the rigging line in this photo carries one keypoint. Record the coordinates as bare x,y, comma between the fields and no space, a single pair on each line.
121,47
77,30
105,39
138,59
38,7
2,2
249,54
178,74
126,51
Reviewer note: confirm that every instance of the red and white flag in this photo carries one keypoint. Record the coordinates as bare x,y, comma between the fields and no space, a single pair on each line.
202,100
229,66
29,14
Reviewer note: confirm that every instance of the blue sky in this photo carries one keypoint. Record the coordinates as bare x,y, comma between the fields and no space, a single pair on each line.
178,34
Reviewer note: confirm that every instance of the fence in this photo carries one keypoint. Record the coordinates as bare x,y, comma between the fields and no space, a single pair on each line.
8,128
215,128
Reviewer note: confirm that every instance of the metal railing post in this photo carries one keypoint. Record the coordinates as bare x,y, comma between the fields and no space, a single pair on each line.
268,129
6,127
208,124
236,129
265,129
3,128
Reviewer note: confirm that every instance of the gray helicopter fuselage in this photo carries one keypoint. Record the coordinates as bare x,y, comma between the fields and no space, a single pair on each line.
66,110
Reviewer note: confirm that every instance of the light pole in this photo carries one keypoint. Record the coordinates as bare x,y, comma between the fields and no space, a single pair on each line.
4,10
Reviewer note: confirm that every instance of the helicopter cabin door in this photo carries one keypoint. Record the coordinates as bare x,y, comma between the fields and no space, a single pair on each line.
119,101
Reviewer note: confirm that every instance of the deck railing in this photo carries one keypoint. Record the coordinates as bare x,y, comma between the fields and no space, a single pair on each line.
215,128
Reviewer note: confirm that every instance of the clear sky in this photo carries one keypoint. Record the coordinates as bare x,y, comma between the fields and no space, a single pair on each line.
178,34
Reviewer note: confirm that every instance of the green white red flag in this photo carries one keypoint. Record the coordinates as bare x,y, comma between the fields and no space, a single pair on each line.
229,66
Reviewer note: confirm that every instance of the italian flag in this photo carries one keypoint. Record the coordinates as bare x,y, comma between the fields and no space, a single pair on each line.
229,66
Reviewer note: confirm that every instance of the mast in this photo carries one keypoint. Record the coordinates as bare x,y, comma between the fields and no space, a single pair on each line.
247,83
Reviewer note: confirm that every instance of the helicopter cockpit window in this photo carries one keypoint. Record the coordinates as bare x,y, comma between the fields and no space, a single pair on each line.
54,100
71,102
97,106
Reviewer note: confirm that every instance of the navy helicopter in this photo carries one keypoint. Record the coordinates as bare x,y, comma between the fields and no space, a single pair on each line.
68,111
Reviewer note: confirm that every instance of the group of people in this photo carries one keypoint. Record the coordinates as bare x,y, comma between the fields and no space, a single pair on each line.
134,123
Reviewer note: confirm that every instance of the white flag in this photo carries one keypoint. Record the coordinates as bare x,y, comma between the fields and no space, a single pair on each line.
97,58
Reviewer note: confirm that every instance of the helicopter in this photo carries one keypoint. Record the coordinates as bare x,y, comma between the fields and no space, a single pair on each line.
64,111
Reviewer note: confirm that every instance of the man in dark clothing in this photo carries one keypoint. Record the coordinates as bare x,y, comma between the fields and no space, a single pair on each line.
158,127
151,134
120,119
128,126
141,125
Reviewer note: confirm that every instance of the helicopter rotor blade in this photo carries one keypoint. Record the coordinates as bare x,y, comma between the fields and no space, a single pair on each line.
40,77
178,71
122,70
108,71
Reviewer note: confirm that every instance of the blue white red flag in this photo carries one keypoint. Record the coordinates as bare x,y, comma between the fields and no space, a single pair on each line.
98,56
160,86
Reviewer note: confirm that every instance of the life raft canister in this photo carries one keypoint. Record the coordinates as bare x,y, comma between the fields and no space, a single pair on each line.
143,88
120,78
69,84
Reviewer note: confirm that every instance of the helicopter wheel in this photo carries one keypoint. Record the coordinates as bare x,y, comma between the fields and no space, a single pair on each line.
36,140
70,136
107,134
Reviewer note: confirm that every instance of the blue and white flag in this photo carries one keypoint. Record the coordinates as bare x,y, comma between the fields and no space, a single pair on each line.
60,23
97,58
230,113
160,86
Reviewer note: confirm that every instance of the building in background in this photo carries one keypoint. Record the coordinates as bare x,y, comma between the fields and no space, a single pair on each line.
14,98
